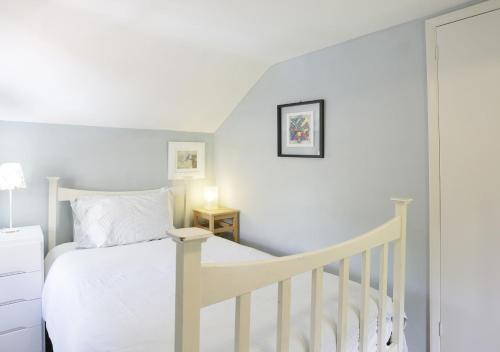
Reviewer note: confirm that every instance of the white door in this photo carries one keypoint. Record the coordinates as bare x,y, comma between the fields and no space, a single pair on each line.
469,129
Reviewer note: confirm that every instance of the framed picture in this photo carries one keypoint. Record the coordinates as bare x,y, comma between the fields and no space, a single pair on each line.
301,129
186,160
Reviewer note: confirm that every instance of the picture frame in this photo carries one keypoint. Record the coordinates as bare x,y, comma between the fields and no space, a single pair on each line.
186,160
301,129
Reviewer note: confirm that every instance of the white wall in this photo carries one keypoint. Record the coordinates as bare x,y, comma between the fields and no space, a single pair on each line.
375,148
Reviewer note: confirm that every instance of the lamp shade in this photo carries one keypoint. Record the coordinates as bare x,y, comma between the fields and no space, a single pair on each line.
11,177
211,197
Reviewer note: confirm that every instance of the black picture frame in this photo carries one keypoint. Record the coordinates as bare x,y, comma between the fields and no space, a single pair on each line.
321,143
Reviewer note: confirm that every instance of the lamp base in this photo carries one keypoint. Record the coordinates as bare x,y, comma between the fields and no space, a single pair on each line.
9,230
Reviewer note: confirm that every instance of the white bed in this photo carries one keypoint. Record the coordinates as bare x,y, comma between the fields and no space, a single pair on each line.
154,295
122,299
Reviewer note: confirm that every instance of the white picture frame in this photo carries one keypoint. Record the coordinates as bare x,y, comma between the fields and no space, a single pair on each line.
186,160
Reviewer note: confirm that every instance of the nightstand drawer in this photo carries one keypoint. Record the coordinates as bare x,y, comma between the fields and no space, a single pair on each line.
23,340
22,286
20,315
25,257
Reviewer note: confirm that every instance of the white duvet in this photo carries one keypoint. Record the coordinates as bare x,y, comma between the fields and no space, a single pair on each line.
122,299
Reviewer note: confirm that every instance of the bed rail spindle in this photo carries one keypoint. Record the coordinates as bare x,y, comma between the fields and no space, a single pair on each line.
52,208
365,296
316,309
242,324
401,206
187,287
283,334
343,305
382,290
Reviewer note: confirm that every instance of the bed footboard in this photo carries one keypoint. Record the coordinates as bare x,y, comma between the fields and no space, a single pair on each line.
199,285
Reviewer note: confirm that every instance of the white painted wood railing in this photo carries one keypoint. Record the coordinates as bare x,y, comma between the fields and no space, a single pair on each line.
199,285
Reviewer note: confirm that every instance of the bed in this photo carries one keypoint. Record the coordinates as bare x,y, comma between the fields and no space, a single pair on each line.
199,292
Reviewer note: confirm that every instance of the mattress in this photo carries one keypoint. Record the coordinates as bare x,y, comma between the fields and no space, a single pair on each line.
123,298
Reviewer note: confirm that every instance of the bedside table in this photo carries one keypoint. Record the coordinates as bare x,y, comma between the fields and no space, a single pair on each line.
21,281
216,221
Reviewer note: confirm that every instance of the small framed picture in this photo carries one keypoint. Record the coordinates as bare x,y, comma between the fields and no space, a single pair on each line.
186,160
300,129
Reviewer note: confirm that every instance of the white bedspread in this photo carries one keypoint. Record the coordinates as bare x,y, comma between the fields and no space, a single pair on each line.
122,299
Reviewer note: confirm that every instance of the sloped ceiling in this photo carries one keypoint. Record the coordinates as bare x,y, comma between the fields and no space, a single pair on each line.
179,65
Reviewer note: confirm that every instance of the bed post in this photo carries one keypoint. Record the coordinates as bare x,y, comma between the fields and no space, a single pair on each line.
401,206
52,220
187,287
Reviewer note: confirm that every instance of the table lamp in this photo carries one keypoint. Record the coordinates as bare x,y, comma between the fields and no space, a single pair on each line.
11,178
211,197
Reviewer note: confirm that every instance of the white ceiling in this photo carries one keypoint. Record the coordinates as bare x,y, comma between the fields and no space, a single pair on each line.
179,65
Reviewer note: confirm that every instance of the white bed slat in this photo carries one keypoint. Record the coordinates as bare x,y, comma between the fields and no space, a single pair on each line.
343,305
284,300
399,276
242,323
365,297
52,212
316,309
382,293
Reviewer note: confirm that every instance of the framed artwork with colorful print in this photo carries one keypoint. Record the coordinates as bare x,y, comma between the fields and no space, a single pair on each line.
301,129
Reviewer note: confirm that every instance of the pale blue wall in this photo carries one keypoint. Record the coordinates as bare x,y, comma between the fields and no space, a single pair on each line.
375,147
85,157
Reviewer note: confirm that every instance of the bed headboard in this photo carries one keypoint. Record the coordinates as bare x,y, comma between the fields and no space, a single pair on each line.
61,194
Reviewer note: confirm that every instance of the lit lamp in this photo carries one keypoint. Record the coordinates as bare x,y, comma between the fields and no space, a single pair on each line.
211,197
11,178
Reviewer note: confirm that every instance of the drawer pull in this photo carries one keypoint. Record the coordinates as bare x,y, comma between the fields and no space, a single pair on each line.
12,330
12,273
12,302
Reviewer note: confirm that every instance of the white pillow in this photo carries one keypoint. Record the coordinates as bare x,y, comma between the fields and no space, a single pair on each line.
103,221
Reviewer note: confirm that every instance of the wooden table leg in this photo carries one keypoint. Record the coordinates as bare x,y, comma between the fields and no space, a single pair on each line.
195,219
211,223
236,234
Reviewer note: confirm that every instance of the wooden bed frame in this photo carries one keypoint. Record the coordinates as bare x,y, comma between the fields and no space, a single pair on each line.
199,285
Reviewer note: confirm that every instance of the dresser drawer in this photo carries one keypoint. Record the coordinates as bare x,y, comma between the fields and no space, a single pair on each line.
20,315
25,257
22,286
23,340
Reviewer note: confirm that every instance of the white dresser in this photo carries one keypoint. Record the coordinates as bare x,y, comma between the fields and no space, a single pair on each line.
21,281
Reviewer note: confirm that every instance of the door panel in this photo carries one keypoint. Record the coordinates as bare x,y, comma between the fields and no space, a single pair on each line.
469,124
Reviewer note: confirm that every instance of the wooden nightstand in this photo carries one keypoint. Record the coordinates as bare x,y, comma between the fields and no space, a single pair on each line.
21,281
218,221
